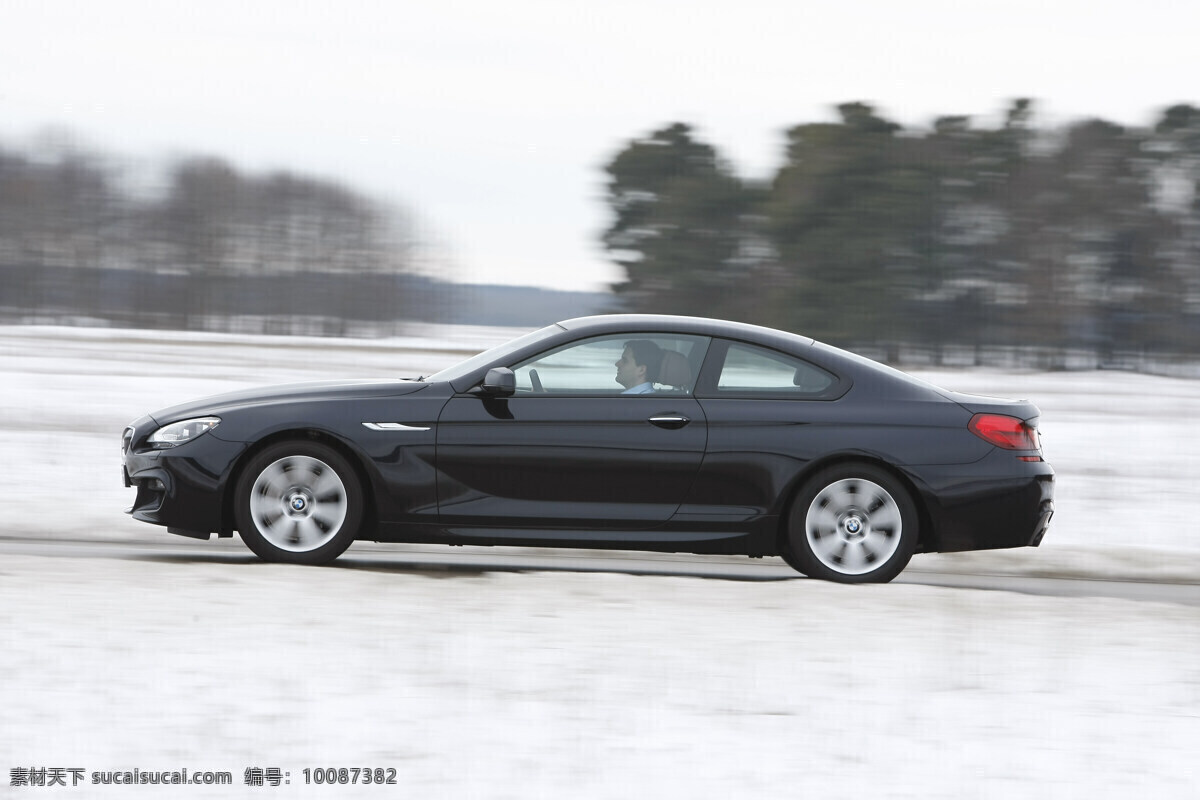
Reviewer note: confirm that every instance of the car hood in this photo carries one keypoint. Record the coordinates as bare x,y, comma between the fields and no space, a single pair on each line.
287,393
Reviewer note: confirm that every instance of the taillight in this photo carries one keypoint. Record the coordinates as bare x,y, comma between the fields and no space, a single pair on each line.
1009,433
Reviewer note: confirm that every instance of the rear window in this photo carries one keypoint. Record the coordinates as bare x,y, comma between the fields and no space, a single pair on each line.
751,370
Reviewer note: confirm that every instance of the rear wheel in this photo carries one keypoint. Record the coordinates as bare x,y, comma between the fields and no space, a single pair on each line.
854,523
298,503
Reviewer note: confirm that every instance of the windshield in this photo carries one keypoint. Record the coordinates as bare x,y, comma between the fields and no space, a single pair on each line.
473,363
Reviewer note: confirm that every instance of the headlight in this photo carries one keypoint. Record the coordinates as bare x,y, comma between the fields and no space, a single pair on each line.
178,433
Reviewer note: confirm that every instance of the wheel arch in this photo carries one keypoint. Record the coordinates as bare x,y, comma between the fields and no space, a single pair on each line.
353,457
925,532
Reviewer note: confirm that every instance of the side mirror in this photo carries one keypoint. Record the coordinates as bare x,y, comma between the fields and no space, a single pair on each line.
499,382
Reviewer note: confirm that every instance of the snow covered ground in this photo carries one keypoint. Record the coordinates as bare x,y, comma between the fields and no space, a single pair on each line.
580,685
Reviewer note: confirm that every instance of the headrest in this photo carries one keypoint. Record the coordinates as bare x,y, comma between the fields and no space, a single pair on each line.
675,370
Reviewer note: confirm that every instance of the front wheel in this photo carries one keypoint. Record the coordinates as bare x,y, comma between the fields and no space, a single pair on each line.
852,524
298,503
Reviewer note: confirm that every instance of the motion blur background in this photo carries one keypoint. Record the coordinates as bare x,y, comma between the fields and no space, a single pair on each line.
934,186
937,183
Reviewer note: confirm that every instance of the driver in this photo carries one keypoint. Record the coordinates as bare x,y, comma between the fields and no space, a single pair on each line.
638,368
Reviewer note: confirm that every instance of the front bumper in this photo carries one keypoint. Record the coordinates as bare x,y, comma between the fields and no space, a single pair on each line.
184,487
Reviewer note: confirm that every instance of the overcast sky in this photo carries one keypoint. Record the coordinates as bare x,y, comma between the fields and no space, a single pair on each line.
492,120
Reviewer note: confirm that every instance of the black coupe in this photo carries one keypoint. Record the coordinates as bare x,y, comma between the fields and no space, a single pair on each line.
627,432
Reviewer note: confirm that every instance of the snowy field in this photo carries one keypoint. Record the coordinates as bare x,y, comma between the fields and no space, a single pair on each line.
576,684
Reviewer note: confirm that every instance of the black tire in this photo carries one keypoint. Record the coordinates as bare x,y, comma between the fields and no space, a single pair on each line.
852,523
785,552
298,503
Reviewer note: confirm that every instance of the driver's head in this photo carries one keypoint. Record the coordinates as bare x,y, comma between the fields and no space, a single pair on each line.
640,361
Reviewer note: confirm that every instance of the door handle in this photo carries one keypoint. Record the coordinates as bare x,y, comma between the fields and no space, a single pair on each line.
669,421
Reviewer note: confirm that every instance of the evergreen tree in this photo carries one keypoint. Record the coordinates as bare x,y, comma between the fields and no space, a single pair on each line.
851,214
681,229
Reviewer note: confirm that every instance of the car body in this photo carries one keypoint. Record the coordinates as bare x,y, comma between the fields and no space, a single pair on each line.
752,441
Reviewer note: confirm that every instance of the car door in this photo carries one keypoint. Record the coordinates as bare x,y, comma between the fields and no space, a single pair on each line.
571,450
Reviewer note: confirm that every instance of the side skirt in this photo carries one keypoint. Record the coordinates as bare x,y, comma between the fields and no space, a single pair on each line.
760,540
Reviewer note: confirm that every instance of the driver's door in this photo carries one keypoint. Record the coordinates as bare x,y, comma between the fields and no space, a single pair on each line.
570,450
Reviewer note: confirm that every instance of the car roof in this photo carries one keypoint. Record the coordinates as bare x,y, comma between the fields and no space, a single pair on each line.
603,323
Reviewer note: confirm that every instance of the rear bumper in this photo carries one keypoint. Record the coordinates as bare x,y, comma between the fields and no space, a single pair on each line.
997,503
1043,524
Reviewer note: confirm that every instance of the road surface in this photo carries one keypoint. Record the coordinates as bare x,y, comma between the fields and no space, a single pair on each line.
433,558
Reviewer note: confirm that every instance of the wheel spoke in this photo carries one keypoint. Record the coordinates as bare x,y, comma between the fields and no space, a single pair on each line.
868,553
874,498
311,532
312,470
272,481
326,484
325,525
881,538
827,546
843,496
333,496
825,520
889,522
853,557
268,519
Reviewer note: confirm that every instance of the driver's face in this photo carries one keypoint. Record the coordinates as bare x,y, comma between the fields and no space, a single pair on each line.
630,374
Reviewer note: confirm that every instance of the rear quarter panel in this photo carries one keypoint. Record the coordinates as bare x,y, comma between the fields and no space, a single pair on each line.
760,450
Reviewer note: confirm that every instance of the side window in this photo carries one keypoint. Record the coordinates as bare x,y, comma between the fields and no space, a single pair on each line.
639,363
756,370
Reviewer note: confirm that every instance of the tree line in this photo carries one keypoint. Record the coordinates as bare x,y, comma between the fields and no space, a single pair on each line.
81,234
1083,238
